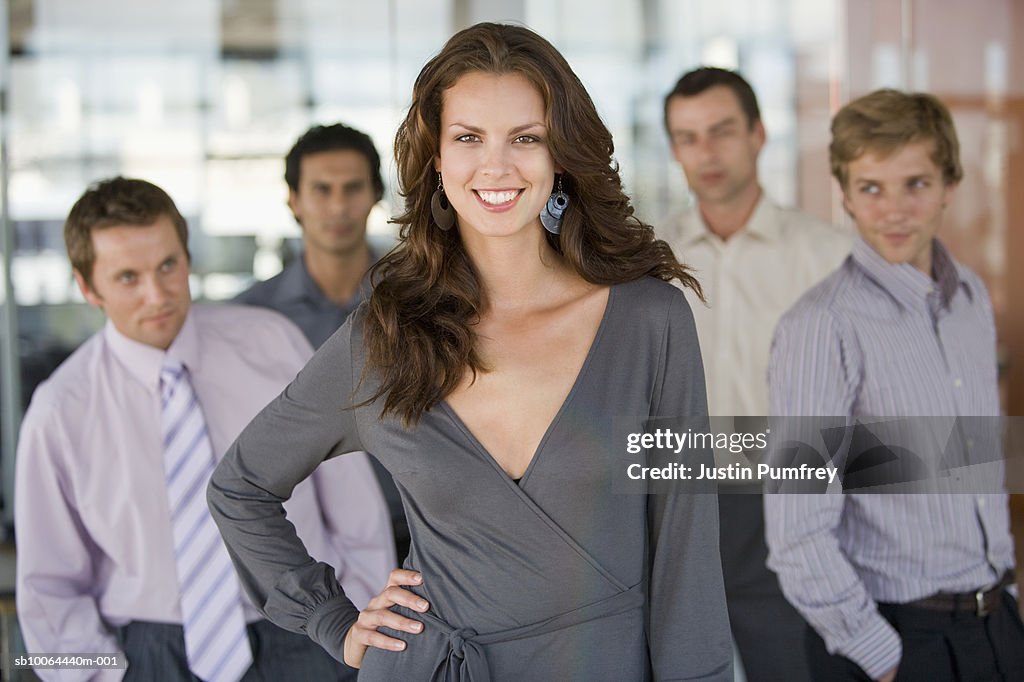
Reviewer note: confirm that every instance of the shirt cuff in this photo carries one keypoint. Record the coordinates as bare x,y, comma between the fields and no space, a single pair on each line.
877,648
329,624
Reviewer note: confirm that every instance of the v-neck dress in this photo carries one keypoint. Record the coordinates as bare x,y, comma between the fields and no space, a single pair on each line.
561,577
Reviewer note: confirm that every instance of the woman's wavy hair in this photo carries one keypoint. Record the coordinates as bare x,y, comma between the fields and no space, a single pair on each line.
419,328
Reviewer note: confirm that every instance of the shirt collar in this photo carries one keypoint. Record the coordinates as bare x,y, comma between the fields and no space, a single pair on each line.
298,284
763,223
144,362
905,283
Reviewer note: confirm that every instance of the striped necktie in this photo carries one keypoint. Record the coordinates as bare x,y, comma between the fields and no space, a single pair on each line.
216,641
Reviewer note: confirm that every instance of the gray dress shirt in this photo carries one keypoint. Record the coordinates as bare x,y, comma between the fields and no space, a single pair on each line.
293,293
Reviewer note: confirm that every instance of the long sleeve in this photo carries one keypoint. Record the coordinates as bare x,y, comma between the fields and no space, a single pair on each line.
358,524
688,627
814,371
56,570
350,508
308,423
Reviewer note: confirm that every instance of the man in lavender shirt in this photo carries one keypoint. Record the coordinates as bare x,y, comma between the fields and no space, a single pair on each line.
97,562
895,586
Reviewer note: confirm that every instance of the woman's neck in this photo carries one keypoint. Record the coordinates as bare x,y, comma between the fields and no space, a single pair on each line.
518,274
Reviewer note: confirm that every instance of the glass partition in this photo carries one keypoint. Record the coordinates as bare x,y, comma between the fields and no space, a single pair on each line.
204,97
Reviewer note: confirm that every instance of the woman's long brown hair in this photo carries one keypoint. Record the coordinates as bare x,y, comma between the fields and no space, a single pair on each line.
418,332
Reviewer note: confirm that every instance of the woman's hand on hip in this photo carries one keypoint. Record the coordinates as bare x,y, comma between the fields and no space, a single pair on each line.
378,613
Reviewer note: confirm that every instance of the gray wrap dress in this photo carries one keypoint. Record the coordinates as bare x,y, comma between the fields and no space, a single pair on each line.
561,577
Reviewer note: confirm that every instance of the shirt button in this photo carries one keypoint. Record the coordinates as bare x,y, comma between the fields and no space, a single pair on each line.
981,501
957,383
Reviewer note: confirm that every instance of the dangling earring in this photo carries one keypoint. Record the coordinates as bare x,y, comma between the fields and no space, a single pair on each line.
554,209
440,208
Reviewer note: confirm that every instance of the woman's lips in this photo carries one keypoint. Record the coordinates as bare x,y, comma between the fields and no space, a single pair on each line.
497,199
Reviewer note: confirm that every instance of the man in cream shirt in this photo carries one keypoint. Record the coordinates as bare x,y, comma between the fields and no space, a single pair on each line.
754,259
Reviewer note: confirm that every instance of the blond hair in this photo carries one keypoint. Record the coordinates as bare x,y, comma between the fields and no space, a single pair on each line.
885,121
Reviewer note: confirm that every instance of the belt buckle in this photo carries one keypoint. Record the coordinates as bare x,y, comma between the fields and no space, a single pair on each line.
979,600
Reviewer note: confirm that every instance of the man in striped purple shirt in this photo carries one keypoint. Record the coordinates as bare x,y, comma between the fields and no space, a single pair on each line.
895,586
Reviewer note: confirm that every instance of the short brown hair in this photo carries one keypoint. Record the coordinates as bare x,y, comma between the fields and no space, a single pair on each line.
887,120
332,138
113,202
702,79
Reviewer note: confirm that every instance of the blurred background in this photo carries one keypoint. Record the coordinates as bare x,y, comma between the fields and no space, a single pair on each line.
204,98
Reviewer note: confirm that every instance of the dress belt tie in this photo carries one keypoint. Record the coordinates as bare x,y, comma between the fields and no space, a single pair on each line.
464,659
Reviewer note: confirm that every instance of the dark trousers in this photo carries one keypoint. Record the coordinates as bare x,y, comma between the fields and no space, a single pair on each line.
156,653
767,630
939,646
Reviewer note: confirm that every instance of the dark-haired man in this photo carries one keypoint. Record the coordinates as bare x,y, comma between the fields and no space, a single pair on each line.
753,259
117,551
334,180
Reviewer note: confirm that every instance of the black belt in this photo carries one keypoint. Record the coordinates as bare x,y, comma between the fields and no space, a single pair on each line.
982,601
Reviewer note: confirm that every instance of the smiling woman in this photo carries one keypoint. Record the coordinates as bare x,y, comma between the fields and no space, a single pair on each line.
494,158
491,360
